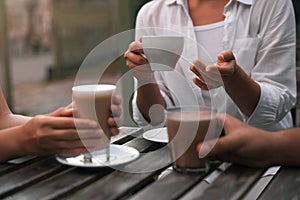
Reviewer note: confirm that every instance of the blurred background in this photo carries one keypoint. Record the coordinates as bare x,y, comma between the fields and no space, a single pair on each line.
43,43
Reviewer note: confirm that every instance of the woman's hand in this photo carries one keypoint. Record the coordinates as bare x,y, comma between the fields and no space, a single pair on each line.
148,91
213,76
46,134
112,121
241,144
242,89
137,63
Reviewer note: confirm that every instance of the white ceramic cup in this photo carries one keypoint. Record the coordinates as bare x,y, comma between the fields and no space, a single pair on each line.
163,52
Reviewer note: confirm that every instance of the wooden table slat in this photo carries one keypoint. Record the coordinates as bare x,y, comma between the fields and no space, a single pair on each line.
172,186
59,186
126,134
120,184
45,178
74,179
15,179
199,189
29,175
285,185
232,184
4,167
10,166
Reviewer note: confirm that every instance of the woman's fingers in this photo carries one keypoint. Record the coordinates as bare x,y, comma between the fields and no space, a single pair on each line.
76,134
116,111
117,100
136,47
196,72
200,83
226,63
225,56
113,125
198,67
209,77
114,131
134,58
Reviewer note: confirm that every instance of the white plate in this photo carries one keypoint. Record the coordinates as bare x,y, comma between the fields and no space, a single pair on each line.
119,155
157,135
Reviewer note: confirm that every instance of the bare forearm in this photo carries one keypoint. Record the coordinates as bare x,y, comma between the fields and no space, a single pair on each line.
244,91
147,96
287,148
12,120
11,144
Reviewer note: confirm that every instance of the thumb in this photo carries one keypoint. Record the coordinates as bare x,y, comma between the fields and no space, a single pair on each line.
207,148
213,147
225,56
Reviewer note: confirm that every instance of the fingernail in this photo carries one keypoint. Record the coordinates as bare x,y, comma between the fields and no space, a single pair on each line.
223,58
203,151
220,58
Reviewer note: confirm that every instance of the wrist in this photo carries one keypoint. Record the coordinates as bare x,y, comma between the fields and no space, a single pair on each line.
12,145
20,142
278,143
23,137
234,75
147,78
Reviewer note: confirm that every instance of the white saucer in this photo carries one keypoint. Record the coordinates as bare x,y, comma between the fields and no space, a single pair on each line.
157,135
119,155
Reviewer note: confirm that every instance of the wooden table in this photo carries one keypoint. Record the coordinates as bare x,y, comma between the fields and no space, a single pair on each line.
45,178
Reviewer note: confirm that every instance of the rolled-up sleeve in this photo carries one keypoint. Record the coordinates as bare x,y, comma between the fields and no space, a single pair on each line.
275,69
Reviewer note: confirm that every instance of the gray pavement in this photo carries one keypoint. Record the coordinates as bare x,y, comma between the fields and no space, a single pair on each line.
42,96
30,68
32,93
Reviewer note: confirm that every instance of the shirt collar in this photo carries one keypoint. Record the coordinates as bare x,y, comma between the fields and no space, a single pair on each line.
169,2
247,2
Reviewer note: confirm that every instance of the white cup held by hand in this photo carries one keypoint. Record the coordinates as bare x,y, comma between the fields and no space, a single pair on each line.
163,52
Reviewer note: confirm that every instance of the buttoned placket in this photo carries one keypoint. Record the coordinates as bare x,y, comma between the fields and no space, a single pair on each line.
192,54
229,28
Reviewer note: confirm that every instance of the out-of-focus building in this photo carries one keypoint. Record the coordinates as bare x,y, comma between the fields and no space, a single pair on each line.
78,26
70,29
29,26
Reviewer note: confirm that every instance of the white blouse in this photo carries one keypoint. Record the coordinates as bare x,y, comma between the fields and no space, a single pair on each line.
261,35
209,39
